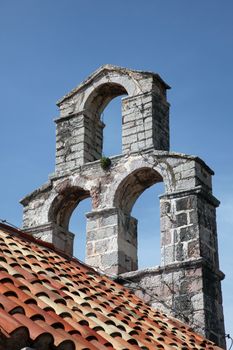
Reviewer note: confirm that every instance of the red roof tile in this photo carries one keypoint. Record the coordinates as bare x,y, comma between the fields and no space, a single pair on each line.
49,301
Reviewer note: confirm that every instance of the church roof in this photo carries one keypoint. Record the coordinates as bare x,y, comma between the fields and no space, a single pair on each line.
49,301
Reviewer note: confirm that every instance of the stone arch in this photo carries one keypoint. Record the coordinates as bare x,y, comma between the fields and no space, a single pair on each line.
155,167
64,203
113,227
144,115
133,185
94,106
111,81
128,192
104,86
103,89
101,96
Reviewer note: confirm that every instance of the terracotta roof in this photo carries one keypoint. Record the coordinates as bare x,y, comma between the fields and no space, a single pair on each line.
51,302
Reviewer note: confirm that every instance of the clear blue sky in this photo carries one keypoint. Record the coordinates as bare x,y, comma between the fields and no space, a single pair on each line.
49,46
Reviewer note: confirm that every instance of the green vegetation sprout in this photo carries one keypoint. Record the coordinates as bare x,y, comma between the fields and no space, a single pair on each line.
105,162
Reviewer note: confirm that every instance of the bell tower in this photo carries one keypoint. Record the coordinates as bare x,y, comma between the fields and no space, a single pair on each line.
187,284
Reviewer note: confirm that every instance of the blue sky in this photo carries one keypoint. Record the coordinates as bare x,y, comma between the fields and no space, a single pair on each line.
49,47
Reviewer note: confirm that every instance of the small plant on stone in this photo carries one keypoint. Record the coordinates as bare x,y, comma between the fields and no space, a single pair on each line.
105,162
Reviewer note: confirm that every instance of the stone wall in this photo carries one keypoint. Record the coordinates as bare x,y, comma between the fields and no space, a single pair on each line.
188,291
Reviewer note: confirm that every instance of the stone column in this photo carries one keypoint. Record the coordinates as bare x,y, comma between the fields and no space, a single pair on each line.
78,140
111,241
189,242
188,227
145,122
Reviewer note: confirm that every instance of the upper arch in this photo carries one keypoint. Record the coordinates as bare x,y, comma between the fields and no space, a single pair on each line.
128,79
101,96
119,81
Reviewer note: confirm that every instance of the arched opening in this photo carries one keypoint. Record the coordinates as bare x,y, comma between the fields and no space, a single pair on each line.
133,186
101,96
77,225
64,204
67,213
112,132
105,119
147,211
137,196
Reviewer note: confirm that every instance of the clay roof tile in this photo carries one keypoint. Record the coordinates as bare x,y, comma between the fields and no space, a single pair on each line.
51,302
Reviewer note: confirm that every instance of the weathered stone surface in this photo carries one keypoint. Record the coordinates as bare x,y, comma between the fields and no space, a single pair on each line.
187,284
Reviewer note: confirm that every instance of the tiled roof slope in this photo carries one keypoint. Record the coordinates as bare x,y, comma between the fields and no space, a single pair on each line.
51,302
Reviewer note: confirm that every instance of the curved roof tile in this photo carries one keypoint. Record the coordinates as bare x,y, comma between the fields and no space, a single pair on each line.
48,301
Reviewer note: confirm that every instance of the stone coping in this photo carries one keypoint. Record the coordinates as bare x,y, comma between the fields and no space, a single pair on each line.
158,270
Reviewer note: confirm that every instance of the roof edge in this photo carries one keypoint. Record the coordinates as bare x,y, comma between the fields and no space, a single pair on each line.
108,67
28,237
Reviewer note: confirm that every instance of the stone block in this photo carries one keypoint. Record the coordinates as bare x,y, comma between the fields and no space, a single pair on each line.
94,260
181,219
108,220
106,245
110,259
165,207
166,237
130,117
179,252
186,203
167,255
102,233
91,225
141,136
193,249
188,233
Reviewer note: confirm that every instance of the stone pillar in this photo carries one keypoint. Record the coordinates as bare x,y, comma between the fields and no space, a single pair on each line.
189,235
111,241
188,227
78,140
145,122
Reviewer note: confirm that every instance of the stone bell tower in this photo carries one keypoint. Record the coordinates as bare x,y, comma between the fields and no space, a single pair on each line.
187,284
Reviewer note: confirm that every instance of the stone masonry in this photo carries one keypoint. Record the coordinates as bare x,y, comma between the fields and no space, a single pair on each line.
187,284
